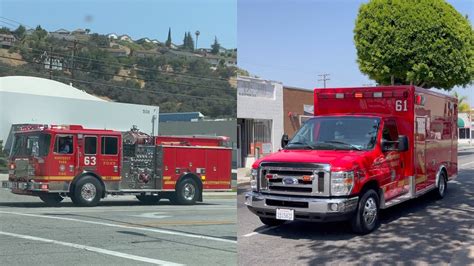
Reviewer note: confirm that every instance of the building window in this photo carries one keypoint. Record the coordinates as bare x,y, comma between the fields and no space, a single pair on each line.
109,145
464,133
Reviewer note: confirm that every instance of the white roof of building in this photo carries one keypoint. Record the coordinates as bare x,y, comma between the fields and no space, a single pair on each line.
43,87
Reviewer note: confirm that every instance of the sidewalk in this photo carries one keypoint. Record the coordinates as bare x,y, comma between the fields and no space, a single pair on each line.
243,176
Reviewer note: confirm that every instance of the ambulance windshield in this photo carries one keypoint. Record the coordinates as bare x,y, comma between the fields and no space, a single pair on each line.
35,145
336,133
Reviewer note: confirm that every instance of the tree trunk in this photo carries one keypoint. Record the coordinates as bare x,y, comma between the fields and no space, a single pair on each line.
392,80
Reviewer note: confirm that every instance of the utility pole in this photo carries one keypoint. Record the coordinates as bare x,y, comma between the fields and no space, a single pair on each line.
51,62
72,59
324,78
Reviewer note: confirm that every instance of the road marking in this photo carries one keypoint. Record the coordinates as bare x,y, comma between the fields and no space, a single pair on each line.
462,165
92,249
152,215
161,231
102,209
260,231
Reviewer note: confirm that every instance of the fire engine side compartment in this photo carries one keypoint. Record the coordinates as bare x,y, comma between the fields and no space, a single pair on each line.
210,164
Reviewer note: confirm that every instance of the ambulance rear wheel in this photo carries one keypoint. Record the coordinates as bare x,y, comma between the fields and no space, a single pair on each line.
87,192
366,218
51,199
148,199
186,192
442,186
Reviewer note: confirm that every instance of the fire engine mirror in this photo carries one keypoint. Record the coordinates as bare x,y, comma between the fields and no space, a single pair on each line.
284,140
402,143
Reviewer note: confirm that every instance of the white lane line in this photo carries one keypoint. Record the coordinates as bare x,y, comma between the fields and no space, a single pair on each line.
462,165
161,231
99,209
93,249
260,231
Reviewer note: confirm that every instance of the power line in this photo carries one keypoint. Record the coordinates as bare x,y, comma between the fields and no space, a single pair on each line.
324,78
123,76
126,88
14,21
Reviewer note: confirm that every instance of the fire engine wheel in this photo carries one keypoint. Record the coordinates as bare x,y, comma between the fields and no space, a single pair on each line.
87,191
271,221
442,186
148,199
186,192
51,199
366,217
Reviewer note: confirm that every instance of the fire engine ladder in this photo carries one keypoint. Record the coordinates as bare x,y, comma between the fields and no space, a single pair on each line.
401,198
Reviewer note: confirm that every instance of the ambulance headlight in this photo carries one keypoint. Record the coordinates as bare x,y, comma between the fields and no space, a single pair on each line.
253,179
342,183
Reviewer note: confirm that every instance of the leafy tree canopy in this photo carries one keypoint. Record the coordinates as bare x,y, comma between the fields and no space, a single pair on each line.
423,42
215,46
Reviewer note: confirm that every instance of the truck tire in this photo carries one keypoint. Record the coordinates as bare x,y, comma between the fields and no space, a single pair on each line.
148,199
187,192
87,191
271,221
366,218
51,199
440,191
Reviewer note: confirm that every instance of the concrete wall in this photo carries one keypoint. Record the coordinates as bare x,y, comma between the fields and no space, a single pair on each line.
17,108
253,104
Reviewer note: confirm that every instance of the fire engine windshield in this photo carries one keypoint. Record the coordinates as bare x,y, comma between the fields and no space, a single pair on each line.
31,145
336,133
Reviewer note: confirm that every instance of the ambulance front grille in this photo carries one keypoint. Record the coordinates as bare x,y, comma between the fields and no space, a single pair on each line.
288,179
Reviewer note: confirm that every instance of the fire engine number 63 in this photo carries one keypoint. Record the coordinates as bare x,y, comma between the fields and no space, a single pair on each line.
90,160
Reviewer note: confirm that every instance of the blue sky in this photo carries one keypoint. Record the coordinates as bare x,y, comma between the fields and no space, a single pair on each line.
137,18
294,41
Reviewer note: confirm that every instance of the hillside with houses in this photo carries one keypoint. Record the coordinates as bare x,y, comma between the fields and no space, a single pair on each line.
177,77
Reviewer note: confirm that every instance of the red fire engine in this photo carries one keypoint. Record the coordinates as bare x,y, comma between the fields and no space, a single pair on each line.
53,162
365,149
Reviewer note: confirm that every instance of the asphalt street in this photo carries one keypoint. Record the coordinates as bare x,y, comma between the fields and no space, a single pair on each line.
120,231
420,231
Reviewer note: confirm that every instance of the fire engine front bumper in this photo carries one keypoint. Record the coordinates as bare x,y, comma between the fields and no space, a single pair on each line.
305,208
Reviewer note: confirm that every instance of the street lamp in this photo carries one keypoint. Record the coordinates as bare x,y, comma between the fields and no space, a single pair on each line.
197,36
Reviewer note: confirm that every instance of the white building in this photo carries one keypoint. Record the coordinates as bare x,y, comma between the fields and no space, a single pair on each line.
31,100
259,118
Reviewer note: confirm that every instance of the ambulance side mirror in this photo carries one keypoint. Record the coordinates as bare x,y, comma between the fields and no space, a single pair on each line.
402,143
284,140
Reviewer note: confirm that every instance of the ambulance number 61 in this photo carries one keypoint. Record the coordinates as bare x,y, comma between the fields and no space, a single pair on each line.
89,160
401,105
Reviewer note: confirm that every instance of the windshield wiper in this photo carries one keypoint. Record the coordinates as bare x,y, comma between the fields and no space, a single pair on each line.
301,144
343,143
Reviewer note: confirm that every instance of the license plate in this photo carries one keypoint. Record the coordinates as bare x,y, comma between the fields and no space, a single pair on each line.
285,214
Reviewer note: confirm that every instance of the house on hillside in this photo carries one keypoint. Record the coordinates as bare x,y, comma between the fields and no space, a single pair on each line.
62,34
125,37
146,53
155,41
79,32
118,52
185,55
28,32
7,40
143,40
112,36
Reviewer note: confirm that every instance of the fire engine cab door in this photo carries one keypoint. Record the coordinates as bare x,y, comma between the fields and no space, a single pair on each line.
87,155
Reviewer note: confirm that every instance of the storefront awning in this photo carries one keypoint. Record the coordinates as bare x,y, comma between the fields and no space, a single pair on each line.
460,123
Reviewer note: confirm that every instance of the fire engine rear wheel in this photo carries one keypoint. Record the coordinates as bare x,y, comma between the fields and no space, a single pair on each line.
366,218
148,199
87,192
51,199
271,221
186,192
442,186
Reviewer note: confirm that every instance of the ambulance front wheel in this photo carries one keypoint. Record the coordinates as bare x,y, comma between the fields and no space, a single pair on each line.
87,191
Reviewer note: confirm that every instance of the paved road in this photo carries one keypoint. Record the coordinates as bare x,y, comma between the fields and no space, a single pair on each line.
118,232
422,231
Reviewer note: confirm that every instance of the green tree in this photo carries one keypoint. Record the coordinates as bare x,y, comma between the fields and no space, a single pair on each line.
5,30
463,106
20,32
40,33
215,46
168,41
190,42
424,42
